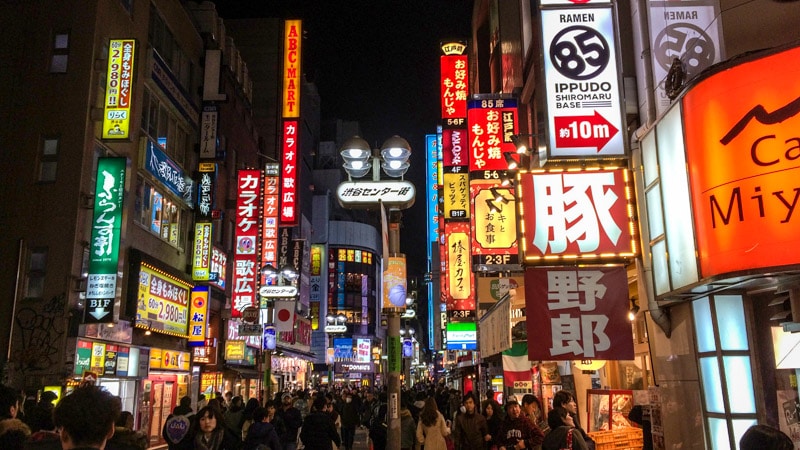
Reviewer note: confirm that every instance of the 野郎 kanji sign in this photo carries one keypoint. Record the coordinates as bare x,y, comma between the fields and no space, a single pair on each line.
578,313
576,214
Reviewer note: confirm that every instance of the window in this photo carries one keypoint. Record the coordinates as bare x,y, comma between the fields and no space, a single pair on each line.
37,262
726,374
48,159
60,53
164,127
161,215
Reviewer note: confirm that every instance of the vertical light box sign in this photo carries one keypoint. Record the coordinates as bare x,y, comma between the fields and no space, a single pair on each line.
119,92
453,80
292,55
106,229
289,173
245,253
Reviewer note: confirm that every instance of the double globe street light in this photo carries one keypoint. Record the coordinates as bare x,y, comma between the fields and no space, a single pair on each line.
396,195
277,288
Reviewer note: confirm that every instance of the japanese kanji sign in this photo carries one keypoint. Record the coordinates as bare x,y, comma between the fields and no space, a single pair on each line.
454,69
494,223
460,287
269,217
289,171
367,194
101,286
491,123
578,313
245,258
119,92
198,316
582,214
201,256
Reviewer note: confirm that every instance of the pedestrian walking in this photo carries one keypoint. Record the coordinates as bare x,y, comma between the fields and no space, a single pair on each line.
517,432
471,432
432,429
563,433
319,432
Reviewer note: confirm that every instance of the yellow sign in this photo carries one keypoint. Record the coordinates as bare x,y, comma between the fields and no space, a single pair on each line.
458,266
163,302
119,89
169,359
98,364
198,312
234,350
495,218
455,190
394,283
293,33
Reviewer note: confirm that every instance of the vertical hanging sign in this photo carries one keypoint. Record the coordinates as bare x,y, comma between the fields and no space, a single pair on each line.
288,197
198,316
454,71
269,222
101,285
245,253
293,31
119,89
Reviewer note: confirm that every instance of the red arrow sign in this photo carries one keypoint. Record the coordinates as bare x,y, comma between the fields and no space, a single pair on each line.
584,131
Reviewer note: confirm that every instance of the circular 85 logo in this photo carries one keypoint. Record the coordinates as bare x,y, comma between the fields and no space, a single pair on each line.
579,52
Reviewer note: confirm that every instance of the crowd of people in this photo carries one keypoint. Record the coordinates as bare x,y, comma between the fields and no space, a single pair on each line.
431,418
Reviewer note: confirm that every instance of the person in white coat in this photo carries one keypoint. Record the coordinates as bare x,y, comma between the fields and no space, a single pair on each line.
432,428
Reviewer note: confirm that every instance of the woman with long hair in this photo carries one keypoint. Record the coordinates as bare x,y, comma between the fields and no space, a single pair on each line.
432,428
494,419
209,431
563,433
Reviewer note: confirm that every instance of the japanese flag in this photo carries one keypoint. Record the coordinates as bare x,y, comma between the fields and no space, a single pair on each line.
284,315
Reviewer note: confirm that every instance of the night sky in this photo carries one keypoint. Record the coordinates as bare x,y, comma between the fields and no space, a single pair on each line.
376,62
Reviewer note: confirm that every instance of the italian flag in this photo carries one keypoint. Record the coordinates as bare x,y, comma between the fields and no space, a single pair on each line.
516,366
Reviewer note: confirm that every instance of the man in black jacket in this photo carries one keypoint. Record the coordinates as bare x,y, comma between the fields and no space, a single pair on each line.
318,429
292,421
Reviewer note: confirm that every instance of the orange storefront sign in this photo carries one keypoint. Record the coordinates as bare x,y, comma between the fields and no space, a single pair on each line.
742,129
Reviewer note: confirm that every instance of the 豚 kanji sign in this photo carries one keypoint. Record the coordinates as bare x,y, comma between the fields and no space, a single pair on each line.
576,214
579,313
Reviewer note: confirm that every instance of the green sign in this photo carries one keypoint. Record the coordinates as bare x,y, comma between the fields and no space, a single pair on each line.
101,285
395,357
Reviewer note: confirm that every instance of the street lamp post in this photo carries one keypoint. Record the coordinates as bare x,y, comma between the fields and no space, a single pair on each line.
395,195
271,292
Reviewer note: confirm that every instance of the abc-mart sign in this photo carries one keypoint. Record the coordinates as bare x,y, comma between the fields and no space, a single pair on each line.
581,68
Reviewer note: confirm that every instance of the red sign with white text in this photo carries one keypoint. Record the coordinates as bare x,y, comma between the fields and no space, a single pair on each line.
288,204
245,254
581,215
491,123
453,84
578,313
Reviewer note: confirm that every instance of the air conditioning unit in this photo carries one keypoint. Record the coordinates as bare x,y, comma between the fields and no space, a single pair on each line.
79,284
86,200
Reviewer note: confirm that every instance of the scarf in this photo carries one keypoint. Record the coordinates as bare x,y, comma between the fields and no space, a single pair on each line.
213,443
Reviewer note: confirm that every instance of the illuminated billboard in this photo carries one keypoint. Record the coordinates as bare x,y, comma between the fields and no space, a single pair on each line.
245,258
584,100
292,75
119,89
162,302
454,80
101,285
491,124
462,336
288,209
577,215
741,136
